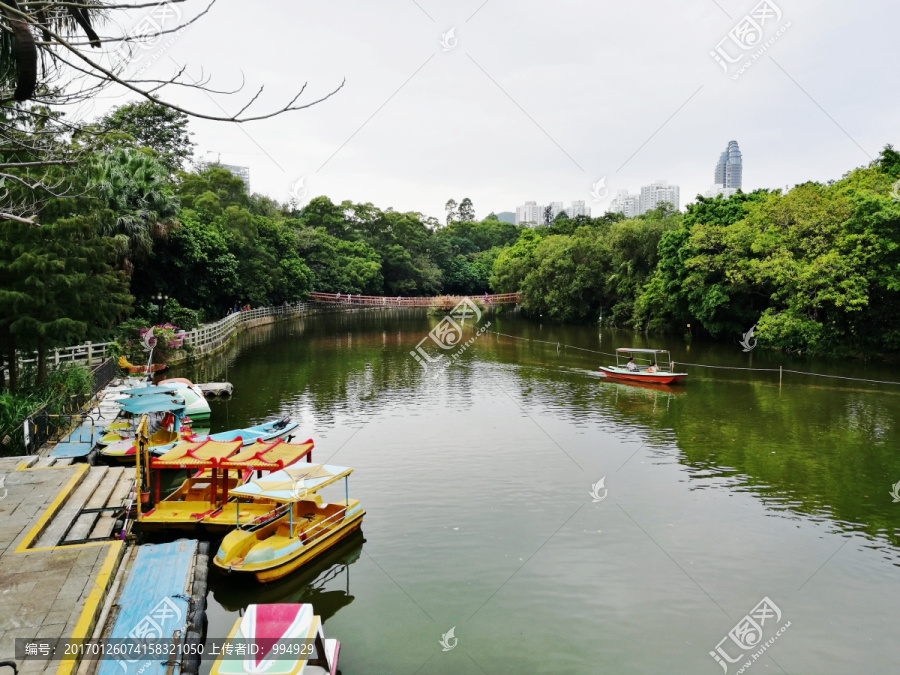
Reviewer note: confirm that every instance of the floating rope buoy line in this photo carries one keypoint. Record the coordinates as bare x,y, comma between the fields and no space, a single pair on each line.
780,370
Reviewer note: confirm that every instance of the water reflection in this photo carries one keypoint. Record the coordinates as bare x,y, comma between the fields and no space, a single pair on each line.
822,449
325,583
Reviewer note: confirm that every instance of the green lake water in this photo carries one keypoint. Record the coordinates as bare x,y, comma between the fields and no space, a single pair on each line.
477,480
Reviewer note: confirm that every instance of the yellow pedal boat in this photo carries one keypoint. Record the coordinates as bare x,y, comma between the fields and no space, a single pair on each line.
301,527
215,469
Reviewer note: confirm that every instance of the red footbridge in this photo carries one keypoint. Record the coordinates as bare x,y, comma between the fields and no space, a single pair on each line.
440,301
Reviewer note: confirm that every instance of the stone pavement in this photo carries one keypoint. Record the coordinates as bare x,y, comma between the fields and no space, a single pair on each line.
43,592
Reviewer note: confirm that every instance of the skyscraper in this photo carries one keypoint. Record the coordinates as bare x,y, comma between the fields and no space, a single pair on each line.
530,214
657,193
729,170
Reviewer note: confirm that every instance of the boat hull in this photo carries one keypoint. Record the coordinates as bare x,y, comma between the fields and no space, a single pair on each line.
644,378
279,568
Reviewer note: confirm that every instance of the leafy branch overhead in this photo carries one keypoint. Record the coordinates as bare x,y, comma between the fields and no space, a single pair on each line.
55,53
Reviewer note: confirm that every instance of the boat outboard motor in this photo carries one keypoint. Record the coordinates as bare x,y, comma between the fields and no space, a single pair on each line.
281,424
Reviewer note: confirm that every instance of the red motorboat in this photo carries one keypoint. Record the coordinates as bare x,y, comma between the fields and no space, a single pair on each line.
647,366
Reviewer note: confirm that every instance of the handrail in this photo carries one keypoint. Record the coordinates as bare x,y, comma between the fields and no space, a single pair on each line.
205,335
401,301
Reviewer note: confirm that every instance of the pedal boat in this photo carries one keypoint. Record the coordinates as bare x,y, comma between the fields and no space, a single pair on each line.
160,440
202,502
644,358
302,527
278,639
268,431
196,405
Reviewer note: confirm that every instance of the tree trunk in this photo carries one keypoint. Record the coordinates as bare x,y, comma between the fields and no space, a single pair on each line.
41,359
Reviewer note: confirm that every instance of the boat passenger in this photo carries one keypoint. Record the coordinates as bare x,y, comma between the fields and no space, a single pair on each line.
653,368
631,365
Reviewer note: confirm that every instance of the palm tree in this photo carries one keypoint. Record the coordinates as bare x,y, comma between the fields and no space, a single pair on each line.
136,187
18,50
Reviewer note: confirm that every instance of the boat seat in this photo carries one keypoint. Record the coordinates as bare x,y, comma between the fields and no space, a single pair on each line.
199,492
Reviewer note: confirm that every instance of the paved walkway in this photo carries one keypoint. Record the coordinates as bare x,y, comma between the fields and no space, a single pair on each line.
47,592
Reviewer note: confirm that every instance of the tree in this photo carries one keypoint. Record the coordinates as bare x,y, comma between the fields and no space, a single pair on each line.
57,285
889,161
548,215
452,213
154,126
136,188
466,210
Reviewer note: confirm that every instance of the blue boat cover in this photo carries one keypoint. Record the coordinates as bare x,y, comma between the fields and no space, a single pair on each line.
154,389
153,604
150,404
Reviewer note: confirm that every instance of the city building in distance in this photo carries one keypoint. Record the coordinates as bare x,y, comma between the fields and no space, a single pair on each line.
729,174
659,192
730,169
242,172
625,203
532,213
649,198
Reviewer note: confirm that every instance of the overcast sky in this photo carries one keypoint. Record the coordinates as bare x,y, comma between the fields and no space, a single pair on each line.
538,101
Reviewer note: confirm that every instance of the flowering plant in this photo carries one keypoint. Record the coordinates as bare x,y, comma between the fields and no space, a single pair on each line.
138,339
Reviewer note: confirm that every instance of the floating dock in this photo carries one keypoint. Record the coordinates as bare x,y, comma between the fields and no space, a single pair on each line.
211,389
164,597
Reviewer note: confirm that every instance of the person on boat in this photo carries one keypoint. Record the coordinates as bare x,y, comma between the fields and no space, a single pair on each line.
653,368
631,365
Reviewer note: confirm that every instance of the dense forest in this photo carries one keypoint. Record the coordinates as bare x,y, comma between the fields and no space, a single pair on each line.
816,269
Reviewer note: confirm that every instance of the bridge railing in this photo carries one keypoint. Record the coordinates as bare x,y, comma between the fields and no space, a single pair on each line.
403,301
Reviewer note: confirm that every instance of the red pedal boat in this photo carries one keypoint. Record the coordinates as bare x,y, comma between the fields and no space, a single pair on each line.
647,366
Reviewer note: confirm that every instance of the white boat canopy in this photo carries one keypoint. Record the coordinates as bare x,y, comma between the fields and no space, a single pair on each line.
293,484
636,350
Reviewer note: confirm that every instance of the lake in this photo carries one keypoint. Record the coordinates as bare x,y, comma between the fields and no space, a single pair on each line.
560,523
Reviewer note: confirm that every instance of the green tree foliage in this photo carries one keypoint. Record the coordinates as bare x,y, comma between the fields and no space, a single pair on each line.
340,266
136,189
582,266
817,269
466,210
57,286
154,126
224,253
452,212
